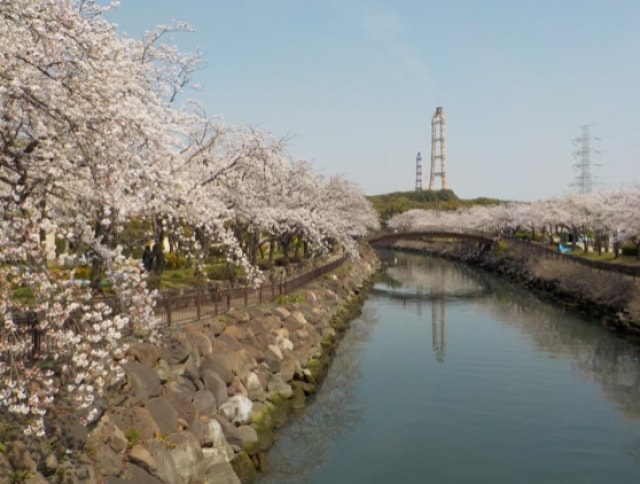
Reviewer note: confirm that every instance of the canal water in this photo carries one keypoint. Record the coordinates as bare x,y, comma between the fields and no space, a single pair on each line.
451,376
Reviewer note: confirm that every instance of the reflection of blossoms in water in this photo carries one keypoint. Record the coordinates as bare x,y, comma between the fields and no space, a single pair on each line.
431,276
331,415
613,363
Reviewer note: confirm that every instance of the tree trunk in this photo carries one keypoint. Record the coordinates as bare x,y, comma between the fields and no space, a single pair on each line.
272,248
158,263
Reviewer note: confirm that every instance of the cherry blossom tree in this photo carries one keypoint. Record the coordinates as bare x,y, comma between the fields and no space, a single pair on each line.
93,136
602,216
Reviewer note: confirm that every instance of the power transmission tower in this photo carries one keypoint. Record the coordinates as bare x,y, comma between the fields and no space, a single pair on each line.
584,177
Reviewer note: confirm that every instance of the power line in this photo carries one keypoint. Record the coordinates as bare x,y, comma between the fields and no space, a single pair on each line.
584,176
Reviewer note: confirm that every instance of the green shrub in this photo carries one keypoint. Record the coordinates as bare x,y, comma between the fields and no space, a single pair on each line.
133,436
629,249
82,272
217,273
265,265
174,261
501,246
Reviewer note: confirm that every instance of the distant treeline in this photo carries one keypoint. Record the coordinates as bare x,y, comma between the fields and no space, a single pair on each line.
390,204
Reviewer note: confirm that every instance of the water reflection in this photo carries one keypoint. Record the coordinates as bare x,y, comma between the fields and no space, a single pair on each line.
595,354
420,281
504,395
439,329
335,410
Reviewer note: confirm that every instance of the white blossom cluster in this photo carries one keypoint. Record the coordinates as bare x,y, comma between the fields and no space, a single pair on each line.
608,216
92,136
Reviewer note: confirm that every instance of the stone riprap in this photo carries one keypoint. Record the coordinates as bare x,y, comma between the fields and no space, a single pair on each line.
203,406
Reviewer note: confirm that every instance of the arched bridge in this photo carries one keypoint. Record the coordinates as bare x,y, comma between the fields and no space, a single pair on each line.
462,234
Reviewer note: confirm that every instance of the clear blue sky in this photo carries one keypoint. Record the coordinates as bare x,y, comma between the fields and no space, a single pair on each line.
354,83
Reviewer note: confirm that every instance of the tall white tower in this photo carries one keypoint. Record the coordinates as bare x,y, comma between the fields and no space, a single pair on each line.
438,149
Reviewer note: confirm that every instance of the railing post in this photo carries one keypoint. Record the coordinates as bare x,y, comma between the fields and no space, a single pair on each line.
167,308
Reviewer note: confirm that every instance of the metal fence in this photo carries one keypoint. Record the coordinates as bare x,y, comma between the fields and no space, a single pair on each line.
174,309
523,245
196,304
553,253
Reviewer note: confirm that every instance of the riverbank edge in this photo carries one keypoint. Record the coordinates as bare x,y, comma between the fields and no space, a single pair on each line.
204,406
506,262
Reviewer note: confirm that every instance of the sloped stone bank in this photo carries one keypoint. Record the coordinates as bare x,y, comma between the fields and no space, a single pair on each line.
610,298
203,407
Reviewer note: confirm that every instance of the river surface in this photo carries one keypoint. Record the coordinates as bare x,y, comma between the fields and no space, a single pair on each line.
451,376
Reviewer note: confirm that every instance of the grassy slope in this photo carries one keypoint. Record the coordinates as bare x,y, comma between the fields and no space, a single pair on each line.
389,204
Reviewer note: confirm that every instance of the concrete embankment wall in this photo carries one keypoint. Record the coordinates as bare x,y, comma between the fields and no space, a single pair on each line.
612,298
203,406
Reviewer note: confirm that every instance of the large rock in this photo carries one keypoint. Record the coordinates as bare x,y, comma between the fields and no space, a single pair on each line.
210,362
204,402
226,342
216,325
186,453
76,473
35,478
281,312
134,420
140,456
199,339
282,340
237,409
288,368
180,394
273,358
215,384
255,386
239,362
164,414
106,461
19,457
178,348
234,332
144,353
213,435
142,382
244,468
216,472
107,432
190,369
299,317
133,473
278,389
165,465
165,371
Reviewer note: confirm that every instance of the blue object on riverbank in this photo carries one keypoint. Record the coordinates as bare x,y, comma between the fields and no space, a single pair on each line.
563,249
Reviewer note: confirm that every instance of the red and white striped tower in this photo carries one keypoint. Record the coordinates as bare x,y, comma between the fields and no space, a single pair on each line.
438,149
